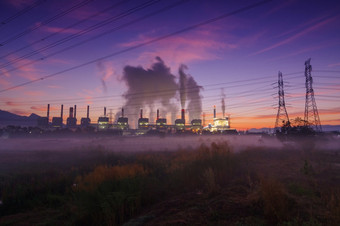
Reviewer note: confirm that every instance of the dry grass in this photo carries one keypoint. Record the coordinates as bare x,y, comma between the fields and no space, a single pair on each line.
210,185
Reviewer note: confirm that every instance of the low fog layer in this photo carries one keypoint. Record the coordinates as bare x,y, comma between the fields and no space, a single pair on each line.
128,144
171,143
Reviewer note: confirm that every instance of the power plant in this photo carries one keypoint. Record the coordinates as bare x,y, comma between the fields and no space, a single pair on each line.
144,126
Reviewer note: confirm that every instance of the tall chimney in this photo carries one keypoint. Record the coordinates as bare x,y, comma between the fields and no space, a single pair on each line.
214,111
183,114
157,114
203,119
61,112
141,113
105,111
75,111
71,112
122,112
88,111
48,112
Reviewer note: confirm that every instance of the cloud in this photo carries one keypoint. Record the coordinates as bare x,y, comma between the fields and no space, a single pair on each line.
54,87
12,104
44,108
298,35
35,93
4,83
20,3
20,112
280,6
61,30
25,68
334,65
187,48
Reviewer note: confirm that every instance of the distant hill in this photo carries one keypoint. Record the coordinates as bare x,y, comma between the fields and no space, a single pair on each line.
325,128
7,118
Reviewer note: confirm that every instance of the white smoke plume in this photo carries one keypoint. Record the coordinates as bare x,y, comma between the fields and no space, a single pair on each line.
149,88
223,102
182,84
191,91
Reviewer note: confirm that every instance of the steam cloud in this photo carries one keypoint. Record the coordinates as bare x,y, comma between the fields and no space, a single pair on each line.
156,88
182,84
223,102
193,95
104,75
148,87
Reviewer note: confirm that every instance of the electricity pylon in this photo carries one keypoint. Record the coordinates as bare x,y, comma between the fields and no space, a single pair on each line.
311,111
282,115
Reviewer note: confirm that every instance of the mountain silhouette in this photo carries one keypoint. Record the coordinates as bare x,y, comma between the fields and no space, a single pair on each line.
8,118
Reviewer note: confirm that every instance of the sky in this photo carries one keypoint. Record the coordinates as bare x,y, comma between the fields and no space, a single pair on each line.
79,52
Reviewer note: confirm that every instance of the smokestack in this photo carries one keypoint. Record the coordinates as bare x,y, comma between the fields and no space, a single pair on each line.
203,119
214,111
157,114
223,102
141,113
183,114
48,112
122,112
75,111
105,111
71,112
61,113
88,111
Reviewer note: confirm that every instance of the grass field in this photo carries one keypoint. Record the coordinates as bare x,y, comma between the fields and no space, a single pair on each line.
213,182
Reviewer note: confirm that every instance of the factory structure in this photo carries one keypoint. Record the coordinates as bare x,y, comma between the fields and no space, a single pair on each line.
144,126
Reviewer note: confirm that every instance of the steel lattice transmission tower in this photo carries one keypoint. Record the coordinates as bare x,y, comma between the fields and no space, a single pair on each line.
282,115
311,111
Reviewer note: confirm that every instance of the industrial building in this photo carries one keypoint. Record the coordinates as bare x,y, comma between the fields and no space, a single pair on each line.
103,121
43,122
123,122
196,125
180,123
57,122
143,123
160,122
85,122
72,120
220,125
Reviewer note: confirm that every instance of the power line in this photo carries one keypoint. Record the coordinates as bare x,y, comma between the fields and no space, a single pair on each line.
100,35
66,28
143,44
21,12
189,88
61,14
76,35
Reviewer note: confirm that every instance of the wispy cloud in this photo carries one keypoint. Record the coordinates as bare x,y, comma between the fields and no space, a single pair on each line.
43,108
20,112
334,65
34,93
54,87
60,30
187,48
20,3
279,6
12,104
25,68
298,35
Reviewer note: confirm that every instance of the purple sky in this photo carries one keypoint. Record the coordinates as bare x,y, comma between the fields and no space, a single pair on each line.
241,53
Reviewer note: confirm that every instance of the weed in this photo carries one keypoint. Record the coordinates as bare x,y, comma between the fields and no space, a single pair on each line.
276,205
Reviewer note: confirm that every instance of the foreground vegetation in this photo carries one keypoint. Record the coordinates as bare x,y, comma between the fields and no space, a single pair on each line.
208,186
